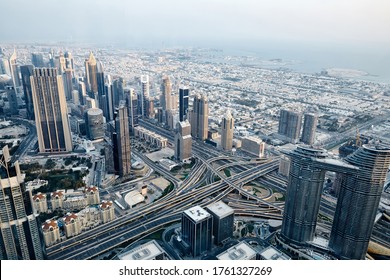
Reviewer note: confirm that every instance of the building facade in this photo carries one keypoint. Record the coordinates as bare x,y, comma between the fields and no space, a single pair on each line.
123,139
196,229
223,221
309,128
183,141
290,124
51,116
227,130
19,233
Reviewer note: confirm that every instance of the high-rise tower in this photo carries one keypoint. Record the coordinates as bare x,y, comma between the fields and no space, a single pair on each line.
183,141
14,69
123,139
90,71
199,117
309,128
290,124
37,60
19,232
166,91
227,131
51,116
132,108
27,72
358,201
184,94
144,95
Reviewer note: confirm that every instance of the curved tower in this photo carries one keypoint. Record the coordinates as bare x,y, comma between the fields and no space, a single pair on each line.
358,202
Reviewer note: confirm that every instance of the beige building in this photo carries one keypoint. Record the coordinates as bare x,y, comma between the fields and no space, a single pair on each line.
151,137
123,139
40,203
90,71
50,109
51,232
253,145
183,141
57,200
92,194
107,211
284,165
227,129
72,225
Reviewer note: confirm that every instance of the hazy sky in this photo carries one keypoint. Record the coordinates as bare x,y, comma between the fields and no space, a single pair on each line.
198,22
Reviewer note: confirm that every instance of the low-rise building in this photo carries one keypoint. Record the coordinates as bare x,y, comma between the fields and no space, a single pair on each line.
40,203
253,145
57,200
72,225
241,251
107,211
151,137
148,251
51,232
271,253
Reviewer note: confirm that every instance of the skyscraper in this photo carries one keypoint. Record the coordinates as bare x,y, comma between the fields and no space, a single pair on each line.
37,60
51,116
94,122
183,141
90,71
14,69
166,90
227,131
69,62
132,108
19,232
358,201
196,229
223,221
309,128
199,117
144,94
27,72
184,94
290,123
123,139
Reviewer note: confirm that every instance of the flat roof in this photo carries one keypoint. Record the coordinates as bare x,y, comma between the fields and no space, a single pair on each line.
146,251
241,251
220,209
133,198
271,253
197,213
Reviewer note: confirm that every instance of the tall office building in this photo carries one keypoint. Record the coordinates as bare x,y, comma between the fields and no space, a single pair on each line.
183,141
119,86
123,139
199,117
227,131
109,98
132,108
303,195
27,71
37,60
309,128
95,124
223,221
90,71
166,92
184,94
51,116
143,95
19,232
196,229
69,62
14,69
290,123
149,108
358,201
68,83
12,101
4,67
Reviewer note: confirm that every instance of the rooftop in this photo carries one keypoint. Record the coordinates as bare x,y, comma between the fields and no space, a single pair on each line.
271,253
197,213
220,209
241,251
147,251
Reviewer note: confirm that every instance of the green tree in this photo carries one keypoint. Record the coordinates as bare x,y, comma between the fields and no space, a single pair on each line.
50,164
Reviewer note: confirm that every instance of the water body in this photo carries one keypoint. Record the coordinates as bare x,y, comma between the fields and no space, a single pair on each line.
314,60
